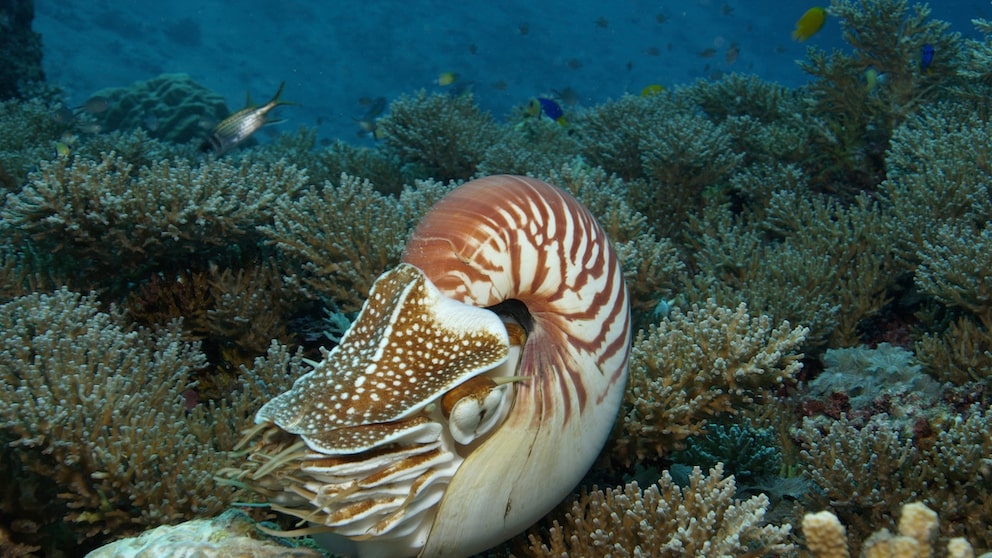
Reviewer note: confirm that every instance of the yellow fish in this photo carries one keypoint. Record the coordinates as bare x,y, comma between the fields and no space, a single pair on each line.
652,90
810,23
447,78
241,125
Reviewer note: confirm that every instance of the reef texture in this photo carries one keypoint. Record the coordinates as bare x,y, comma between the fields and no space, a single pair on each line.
809,273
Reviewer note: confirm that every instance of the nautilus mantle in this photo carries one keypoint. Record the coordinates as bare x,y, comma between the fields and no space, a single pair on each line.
472,393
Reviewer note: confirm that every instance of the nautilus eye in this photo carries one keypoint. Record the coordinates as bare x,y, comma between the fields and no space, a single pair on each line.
472,393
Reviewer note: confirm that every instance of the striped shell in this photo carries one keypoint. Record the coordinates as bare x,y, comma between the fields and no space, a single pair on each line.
472,393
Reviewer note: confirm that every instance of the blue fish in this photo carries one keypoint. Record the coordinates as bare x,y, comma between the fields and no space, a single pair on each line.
552,110
926,57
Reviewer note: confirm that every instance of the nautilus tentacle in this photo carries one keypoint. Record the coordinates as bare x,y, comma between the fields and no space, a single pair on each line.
474,390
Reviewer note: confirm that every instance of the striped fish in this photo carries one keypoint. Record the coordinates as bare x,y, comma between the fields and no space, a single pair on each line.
241,125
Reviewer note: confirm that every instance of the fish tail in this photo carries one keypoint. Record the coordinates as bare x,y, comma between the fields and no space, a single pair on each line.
277,100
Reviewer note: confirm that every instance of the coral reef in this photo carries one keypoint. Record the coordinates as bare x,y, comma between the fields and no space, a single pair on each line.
170,107
916,538
438,136
696,365
865,468
700,519
107,217
808,273
344,236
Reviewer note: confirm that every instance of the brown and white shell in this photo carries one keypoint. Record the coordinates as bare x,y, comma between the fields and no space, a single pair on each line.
472,393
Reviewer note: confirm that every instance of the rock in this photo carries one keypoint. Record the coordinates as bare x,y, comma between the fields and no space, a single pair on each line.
232,533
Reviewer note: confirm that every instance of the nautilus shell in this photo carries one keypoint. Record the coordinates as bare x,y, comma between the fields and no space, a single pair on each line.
474,390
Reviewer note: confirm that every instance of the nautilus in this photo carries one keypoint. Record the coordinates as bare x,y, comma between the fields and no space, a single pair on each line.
475,388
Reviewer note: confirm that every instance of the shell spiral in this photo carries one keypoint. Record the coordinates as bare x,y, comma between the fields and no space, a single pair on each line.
507,237
473,391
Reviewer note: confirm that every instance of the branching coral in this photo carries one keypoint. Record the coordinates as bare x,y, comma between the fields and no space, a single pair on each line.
810,260
28,134
746,451
685,158
765,121
701,519
916,538
92,411
532,147
443,137
114,223
863,471
344,235
939,173
696,365
612,133
235,314
857,111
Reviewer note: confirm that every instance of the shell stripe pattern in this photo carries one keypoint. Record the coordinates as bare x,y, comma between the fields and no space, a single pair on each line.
538,245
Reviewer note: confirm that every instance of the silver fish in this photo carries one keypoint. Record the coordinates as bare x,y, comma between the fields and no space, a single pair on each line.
241,125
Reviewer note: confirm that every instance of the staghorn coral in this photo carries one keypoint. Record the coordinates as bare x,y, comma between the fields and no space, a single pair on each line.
765,121
810,260
611,134
696,365
956,269
344,235
28,134
534,147
440,136
864,469
701,519
961,353
82,395
112,223
234,314
95,432
939,174
855,118
686,158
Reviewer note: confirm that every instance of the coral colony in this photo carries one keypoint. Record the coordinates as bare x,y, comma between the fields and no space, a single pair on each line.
821,256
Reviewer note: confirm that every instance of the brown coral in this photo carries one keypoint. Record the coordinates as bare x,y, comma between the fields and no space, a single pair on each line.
665,520
695,365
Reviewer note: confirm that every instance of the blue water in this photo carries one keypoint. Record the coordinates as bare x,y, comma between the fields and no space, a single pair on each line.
333,54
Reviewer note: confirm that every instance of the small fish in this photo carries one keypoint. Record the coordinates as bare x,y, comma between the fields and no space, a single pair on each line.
551,109
733,51
376,107
151,122
94,105
809,23
241,125
62,150
568,96
63,115
652,90
871,79
446,78
926,57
